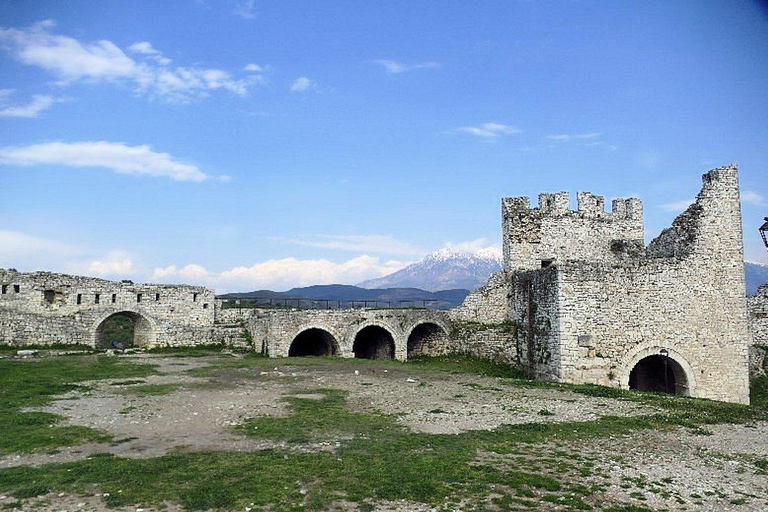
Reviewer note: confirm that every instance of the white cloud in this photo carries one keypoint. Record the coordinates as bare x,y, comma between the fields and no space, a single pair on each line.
192,272
394,67
564,137
116,156
490,130
677,206
254,68
145,48
15,246
752,197
281,274
359,243
245,9
71,60
303,84
116,263
30,110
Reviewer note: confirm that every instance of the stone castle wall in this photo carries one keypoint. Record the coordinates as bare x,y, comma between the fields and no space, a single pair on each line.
45,308
758,320
603,303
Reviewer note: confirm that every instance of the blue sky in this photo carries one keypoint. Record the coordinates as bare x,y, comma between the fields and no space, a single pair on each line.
244,144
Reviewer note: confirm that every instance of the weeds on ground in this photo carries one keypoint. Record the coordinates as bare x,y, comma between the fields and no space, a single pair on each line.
333,453
33,383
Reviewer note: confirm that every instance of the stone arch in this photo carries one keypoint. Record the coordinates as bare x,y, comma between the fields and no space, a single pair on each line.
313,341
427,337
374,342
649,370
144,332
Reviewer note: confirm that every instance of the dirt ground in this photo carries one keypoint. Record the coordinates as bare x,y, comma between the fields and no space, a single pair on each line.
712,468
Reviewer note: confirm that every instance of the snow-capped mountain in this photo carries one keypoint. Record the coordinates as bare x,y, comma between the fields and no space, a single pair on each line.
449,269
444,270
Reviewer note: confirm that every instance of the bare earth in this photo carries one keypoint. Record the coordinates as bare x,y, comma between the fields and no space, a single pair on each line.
711,469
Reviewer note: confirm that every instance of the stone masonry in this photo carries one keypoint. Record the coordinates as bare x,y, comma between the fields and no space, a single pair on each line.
591,304
581,299
758,320
43,308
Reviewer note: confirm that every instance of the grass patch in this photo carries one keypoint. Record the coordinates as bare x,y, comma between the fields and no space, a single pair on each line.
457,363
33,383
333,453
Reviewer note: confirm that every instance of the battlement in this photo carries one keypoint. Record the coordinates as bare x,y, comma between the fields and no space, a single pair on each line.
589,205
552,231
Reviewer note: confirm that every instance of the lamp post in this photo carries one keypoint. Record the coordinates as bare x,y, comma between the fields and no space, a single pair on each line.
763,230
664,353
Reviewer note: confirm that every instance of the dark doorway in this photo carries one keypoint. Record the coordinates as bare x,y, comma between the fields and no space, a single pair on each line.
426,339
123,330
374,342
313,342
660,374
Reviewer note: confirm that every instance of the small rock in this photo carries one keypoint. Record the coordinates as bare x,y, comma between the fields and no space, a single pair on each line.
357,372
26,353
410,380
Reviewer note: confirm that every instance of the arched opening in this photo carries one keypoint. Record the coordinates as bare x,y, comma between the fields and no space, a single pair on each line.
123,330
374,342
427,339
659,373
313,342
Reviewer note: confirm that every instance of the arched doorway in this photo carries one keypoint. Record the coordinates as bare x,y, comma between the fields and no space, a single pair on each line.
659,373
123,330
313,342
426,339
374,342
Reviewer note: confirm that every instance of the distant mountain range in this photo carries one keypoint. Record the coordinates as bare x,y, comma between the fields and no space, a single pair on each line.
443,299
444,277
443,270
756,274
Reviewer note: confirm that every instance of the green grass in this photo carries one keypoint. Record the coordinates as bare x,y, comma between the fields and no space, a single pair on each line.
372,457
33,383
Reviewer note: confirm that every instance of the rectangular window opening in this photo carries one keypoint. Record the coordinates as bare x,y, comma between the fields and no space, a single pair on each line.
205,306
114,298
5,289
157,297
49,296
79,298
16,288
96,298
546,263
194,297
138,297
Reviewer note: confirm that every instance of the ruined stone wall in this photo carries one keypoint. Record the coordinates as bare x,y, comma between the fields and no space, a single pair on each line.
487,304
46,308
492,341
758,320
553,231
687,296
